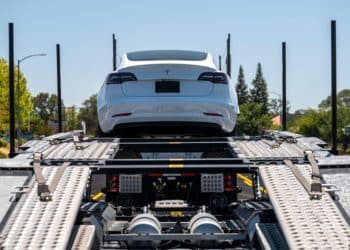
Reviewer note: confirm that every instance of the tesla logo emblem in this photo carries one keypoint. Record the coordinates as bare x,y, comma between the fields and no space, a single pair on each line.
167,71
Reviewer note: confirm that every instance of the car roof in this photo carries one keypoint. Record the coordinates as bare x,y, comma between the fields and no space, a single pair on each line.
151,57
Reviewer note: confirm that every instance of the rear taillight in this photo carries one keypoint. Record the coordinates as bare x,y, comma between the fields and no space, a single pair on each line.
118,78
214,77
113,184
228,183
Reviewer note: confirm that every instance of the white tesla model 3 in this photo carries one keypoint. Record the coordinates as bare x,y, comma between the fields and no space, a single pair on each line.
177,89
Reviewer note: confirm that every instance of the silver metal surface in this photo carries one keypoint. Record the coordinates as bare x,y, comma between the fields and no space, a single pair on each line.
130,183
306,223
84,237
7,185
170,204
313,188
212,183
270,236
341,178
47,225
64,146
175,237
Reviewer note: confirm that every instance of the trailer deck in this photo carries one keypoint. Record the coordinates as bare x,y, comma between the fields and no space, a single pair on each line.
281,194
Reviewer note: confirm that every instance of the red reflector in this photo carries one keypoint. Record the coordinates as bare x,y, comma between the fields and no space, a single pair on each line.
155,175
114,184
229,189
121,114
188,174
212,114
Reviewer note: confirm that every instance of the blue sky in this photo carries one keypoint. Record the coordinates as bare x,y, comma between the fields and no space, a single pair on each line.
84,30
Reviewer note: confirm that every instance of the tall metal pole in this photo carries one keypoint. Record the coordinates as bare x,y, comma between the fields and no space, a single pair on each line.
114,53
228,57
59,102
11,92
334,86
219,62
284,87
18,96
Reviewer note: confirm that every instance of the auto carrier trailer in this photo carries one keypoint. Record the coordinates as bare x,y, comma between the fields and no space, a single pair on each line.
271,192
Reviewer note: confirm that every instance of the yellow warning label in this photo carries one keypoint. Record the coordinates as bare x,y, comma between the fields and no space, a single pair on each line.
176,213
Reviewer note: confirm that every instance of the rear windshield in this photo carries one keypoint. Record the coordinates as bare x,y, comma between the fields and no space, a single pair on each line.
166,55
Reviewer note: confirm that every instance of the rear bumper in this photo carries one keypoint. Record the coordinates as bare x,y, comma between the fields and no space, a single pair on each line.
153,111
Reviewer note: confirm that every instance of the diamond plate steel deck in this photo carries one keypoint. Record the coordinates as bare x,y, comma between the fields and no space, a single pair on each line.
48,225
306,224
84,238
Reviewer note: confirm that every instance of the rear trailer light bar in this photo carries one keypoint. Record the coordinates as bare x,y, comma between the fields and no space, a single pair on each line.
172,174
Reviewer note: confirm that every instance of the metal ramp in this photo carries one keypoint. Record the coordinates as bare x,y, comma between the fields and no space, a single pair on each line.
47,225
306,223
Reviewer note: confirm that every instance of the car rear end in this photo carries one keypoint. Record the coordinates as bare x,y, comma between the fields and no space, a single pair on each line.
186,89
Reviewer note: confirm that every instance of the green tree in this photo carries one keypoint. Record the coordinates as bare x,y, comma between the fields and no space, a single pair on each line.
72,119
258,93
275,106
88,113
252,120
45,106
25,102
343,99
241,87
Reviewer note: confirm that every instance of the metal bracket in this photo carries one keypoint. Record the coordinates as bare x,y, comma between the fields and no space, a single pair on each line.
17,192
77,143
314,189
275,144
44,190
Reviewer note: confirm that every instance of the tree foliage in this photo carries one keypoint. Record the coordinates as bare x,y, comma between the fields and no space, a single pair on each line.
343,99
72,118
258,94
45,106
25,102
241,88
317,122
88,113
252,119
275,106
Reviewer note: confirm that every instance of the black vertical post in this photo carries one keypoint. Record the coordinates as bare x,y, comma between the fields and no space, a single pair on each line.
219,62
59,101
114,53
334,86
228,57
11,92
284,87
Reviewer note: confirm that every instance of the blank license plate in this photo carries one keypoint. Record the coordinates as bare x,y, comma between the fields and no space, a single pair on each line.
167,87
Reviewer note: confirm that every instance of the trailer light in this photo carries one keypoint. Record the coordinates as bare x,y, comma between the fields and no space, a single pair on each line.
155,175
113,184
228,184
172,174
188,174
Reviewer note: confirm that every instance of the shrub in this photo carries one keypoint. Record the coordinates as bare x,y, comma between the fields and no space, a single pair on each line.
3,143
